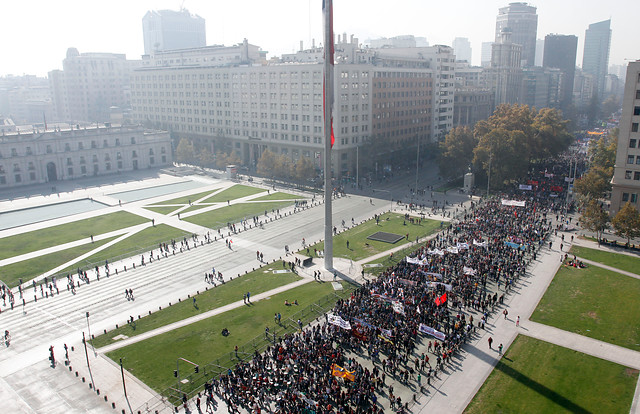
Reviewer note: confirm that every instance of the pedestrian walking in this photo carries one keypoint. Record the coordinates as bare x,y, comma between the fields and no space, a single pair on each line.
490,340
518,321
500,349
505,313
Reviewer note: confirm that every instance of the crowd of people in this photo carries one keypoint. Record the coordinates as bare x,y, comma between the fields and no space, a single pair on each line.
349,362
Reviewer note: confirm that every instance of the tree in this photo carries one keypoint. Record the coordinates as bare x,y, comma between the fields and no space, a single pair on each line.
603,151
627,222
594,218
186,153
610,106
206,158
593,185
551,136
499,154
303,169
266,164
456,152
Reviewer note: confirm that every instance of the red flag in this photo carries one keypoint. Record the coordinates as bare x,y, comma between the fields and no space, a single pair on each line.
442,299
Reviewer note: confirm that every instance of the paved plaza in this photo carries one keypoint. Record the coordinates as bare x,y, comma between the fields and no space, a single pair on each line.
29,384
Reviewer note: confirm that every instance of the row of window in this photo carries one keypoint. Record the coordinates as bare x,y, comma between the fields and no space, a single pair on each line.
633,197
628,174
67,147
630,159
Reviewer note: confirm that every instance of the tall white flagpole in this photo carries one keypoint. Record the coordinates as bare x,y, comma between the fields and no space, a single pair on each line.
327,8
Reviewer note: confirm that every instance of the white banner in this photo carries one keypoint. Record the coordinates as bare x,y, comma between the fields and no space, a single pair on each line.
525,187
430,331
480,243
452,249
469,271
447,287
463,246
338,321
436,275
513,203
436,251
415,260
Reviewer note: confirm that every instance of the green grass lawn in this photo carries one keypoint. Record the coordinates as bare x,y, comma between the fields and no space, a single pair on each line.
617,260
279,196
258,281
196,207
593,302
232,193
28,269
148,238
538,377
388,261
153,360
64,233
360,247
187,198
163,209
232,214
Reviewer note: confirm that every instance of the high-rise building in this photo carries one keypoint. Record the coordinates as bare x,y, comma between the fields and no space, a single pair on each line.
560,53
626,175
522,19
462,49
169,30
485,54
505,72
539,52
595,59
89,85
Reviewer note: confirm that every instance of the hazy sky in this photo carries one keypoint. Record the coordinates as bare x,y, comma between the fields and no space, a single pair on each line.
36,33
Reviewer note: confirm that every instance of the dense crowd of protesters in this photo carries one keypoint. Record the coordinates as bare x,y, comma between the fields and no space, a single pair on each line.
439,286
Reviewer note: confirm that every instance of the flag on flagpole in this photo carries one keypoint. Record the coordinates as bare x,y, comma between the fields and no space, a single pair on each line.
442,299
327,12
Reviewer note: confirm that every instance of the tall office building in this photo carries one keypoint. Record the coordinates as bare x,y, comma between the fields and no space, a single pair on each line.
89,85
539,52
169,30
462,49
505,73
522,19
560,53
626,175
278,105
595,59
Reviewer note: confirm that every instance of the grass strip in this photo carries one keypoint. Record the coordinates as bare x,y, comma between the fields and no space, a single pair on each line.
56,235
279,196
153,360
538,377
258,281
186,199
28,269
617,260
360,247
232,214
231,193
593,302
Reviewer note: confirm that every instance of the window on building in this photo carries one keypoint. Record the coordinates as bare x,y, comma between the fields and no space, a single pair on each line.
32,176
634,198
118,156
80,145
636,175
632,143
164,159
83,169
133,140
634,127
32,166
69,162
119,165
636,110
117,142
630,159
16,167
134,154
94,144
14,152
637,93
18,178
638,160
625,197
105,143
627,175
29,151
152,160
107,166
67,147
49,150
70,171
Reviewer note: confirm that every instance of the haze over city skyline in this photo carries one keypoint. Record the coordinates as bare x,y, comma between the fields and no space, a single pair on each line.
37,33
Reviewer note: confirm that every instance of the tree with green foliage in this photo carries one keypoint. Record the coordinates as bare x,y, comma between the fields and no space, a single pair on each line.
456,152
206,158
516,136
627,222
594,218
603,151
593,185
185,152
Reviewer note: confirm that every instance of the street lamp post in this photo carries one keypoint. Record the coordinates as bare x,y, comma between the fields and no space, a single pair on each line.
390,197
90,338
